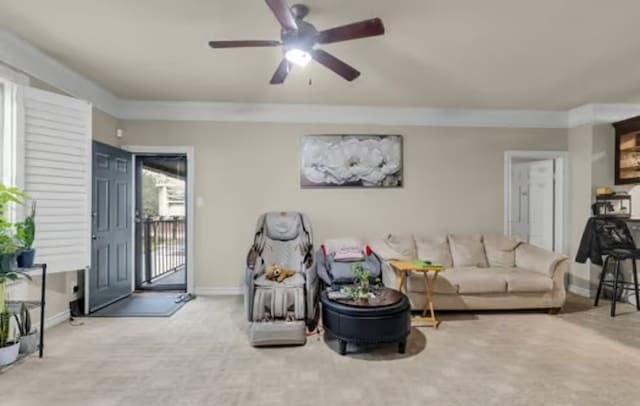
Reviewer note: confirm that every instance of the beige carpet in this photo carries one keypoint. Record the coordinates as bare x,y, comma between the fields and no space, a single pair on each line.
200,356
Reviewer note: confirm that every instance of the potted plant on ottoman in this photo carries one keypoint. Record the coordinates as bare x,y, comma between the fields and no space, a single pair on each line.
361,289
8,349
26,233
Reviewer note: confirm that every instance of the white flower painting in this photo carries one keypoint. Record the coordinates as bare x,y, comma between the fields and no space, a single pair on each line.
351,160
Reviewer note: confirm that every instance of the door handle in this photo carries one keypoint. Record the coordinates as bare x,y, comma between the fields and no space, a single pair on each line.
94,237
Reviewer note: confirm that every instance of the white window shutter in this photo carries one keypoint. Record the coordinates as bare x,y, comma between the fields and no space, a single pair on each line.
57,174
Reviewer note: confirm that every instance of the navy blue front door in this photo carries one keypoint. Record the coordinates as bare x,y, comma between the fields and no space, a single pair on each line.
110,274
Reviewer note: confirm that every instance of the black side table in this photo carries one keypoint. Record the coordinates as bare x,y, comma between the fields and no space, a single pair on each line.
381,320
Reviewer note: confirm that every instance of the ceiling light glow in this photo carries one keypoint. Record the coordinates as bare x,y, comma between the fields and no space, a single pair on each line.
298,57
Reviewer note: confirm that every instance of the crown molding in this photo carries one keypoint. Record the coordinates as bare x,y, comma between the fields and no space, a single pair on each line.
16,77
326,114
601,113
21,55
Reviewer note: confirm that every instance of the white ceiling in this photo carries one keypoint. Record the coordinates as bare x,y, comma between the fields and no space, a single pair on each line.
516,54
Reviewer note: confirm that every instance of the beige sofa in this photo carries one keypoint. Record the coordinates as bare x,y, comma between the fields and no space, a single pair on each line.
484,272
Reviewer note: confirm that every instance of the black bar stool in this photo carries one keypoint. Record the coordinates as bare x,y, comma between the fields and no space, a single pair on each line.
617,239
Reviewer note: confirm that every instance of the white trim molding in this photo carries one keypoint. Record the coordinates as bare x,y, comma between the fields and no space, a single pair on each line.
22,56
599,113
56,319
580,291
205,291
16,77
189,151
334,114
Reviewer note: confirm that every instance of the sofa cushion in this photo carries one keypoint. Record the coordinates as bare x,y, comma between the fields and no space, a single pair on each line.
500,250
415,283
483,281
434,249
467,251
473,280
523,281
395,246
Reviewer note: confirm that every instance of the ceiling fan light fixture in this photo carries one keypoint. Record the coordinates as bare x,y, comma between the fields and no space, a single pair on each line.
298,57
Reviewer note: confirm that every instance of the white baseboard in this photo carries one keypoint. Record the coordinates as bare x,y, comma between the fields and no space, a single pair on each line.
57,319
579,291
205,291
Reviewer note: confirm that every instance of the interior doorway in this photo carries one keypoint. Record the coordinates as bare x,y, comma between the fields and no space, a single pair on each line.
535,197
161,222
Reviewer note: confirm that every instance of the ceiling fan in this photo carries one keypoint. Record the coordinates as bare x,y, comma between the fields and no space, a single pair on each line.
298,39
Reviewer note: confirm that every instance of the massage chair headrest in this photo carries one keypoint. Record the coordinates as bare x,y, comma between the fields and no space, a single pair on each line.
284,226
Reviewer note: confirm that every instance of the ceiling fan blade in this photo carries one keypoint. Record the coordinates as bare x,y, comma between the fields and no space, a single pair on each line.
243,44
281,73
283,14
362,29
335,64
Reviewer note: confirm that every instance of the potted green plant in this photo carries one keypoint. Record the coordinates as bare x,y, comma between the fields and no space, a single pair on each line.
361,289
8,252
26,233
9,243
9,349
9,248
28,337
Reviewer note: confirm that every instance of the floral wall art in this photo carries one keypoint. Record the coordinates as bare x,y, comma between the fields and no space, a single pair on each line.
351,160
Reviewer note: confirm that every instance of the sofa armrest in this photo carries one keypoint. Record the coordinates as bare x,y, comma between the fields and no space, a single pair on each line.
389,275
538,259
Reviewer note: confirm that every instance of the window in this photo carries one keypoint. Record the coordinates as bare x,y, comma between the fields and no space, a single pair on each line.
2,130
11,84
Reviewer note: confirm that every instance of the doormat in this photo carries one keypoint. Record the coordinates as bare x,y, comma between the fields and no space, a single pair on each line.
143,305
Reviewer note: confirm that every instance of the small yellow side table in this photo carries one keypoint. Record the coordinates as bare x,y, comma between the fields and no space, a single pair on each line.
404,268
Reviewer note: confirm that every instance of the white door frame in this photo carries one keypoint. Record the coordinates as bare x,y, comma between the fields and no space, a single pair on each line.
189,151
562,192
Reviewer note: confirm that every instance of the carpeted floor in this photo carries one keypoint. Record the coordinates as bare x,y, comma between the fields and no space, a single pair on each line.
200,356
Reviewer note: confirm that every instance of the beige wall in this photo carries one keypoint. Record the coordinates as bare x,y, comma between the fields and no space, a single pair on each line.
580,141
453,183
104,128
591,149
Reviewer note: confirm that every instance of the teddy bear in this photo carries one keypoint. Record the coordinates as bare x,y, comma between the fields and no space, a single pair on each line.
276,272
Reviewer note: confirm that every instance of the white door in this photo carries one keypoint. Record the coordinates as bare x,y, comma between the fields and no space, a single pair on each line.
541,203
520,201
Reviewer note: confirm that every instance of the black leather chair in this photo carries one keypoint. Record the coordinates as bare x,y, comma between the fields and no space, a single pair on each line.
616,242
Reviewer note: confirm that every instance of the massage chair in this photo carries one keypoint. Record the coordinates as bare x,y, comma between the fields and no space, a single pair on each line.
279,313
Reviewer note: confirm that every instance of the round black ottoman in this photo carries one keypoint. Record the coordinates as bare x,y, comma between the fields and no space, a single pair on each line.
381,320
